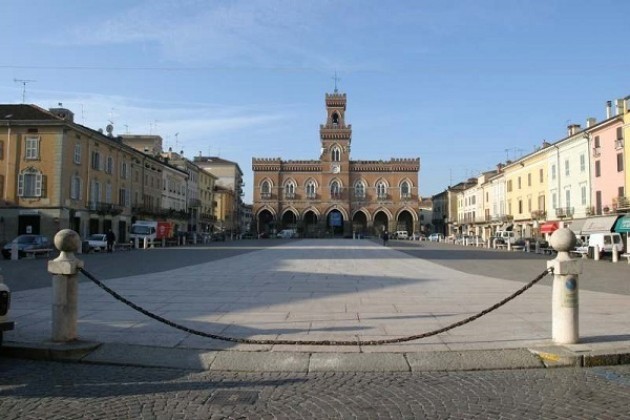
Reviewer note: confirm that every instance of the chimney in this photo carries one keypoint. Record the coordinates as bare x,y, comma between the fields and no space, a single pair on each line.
545,144
573,128
619,104
499,167
591,121
608,109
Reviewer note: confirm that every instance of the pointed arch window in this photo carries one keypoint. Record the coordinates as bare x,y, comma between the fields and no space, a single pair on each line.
405,191
359,190
289,190
381,190
265,190
335,154
335,190
311,189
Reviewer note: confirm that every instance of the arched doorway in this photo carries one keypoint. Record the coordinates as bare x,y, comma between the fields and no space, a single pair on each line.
359,223
266,222
310,224
381,222
405,222
334,224
289,220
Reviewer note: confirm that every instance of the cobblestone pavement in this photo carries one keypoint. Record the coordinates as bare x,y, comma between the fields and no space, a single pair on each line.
50,390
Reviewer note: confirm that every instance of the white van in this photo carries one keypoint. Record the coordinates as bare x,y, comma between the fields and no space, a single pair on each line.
505,236
287,234
606,241
401,234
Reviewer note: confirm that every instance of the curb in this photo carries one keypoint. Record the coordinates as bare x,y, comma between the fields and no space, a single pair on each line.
252,361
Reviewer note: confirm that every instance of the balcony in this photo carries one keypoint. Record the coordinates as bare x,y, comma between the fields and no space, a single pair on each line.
539,215
289,196
619,144
597,152
194,202
564,212
265,196
105,208
207,217
335,195
621,204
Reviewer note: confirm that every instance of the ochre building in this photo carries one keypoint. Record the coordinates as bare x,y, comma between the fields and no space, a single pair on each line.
334,195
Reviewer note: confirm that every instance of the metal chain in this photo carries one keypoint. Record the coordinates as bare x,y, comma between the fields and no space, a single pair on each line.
316,342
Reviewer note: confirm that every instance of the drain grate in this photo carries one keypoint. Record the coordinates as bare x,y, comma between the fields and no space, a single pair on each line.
233,397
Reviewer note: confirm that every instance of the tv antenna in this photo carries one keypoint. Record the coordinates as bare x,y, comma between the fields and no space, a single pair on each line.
24,82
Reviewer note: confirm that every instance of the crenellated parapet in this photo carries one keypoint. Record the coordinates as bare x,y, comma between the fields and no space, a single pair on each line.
336,100
301,166
266,164
392,165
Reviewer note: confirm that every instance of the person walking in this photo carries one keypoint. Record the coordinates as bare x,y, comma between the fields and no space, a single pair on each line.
111,238
385,238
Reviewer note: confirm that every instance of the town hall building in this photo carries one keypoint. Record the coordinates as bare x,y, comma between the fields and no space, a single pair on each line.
334,195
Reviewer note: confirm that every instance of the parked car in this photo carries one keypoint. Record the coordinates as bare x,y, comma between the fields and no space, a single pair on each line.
436,237
218,237
287,234
401,234
97,242
26,243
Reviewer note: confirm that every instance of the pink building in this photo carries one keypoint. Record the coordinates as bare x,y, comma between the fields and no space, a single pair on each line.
607,165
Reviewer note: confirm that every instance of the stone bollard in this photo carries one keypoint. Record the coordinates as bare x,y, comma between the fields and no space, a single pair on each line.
596,253
615,254
135,242
565,304
64,269
145,242
526,246
509,245
537,247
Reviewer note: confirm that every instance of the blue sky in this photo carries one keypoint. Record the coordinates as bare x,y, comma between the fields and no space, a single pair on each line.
463,85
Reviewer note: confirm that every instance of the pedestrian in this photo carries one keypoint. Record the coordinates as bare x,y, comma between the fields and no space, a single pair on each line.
111,238
385,237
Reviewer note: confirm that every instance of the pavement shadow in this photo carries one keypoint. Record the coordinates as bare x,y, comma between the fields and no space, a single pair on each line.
89,382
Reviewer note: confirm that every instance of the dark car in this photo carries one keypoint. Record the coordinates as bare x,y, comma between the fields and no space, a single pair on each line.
26,243
218,237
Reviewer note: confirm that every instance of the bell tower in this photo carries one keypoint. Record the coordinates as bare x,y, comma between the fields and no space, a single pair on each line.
335,135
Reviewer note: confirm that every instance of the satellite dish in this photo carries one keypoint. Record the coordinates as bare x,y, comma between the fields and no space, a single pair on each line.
109,129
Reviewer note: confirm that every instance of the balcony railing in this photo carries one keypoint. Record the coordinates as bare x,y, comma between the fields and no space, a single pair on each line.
289,196
194,202
596,152
622,203
619,144
265,195
105,208
539,215
564,211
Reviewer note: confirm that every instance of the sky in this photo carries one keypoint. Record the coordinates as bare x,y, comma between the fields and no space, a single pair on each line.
463,85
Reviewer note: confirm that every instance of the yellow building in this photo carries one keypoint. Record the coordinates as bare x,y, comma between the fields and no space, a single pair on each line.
526,188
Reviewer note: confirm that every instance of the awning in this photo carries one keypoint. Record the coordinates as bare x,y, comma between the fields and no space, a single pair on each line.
577,225
599,224
549,227
623,224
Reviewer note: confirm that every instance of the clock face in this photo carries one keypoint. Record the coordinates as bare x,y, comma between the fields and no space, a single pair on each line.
336,169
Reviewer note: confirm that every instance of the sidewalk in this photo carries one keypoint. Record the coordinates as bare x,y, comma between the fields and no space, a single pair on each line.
321,290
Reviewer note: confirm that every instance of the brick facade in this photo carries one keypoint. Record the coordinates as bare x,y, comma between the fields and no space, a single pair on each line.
335,195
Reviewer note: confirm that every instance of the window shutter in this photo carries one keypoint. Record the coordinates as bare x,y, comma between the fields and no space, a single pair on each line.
21,185
39,185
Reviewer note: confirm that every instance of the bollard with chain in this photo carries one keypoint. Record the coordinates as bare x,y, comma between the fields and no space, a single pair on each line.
565,302
65,286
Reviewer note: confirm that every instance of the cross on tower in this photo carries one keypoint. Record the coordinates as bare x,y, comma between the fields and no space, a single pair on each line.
336,79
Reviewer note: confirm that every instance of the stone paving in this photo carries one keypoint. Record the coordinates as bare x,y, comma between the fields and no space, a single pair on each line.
51,390
323,290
